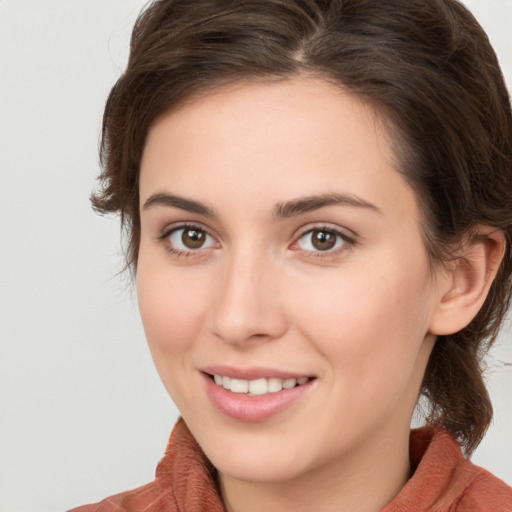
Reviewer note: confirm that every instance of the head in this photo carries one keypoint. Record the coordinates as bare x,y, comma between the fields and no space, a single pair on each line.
427,73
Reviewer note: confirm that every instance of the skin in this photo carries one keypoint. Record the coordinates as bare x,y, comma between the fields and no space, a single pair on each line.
359,318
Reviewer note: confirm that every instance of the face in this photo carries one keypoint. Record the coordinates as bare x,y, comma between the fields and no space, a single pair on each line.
282,279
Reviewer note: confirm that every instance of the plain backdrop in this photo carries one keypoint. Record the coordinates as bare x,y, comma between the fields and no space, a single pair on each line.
82,412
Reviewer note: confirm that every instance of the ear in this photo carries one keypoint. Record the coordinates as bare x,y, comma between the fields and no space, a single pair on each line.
465,283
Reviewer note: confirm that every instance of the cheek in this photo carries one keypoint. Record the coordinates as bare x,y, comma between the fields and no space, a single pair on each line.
367,323
172,305
371,332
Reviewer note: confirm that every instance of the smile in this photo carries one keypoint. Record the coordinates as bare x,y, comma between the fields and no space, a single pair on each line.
258,387
259,397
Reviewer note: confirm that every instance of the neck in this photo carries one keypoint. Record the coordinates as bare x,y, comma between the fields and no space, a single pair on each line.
362,481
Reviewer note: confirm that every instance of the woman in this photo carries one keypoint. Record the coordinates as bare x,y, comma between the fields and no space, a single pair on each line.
318,200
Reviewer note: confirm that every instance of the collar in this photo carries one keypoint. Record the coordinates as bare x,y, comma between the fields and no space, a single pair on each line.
442,473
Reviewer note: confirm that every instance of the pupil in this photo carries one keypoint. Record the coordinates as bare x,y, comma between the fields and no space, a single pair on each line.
323,240
192,238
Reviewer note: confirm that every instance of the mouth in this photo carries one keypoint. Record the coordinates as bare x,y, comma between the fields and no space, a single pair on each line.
257,387
255,394
260,396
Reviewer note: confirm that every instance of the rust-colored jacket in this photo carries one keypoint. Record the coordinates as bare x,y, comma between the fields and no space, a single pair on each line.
444,481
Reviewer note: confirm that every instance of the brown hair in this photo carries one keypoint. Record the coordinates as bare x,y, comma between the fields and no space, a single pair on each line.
425,65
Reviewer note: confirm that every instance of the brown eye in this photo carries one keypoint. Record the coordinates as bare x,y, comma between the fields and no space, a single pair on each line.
322,240
193,238
190,238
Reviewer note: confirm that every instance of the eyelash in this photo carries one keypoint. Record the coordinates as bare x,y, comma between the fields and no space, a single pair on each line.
348,241
164,238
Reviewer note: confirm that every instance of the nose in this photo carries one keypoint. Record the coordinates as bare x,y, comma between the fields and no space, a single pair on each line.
248,306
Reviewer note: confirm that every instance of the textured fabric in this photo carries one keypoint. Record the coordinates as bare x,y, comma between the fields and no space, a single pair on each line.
444,481
185,482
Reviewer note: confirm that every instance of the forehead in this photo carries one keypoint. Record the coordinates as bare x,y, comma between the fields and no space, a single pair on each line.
271,141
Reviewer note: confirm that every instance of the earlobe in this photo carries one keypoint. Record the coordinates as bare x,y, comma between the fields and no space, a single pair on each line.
466,283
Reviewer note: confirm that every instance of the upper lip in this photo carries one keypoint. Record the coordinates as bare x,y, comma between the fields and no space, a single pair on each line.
252,373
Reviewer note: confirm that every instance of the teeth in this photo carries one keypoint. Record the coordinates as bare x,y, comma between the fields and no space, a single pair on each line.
274,385
239,386
258,386
289,383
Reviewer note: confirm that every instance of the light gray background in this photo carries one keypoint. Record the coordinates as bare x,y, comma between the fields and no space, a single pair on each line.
83,413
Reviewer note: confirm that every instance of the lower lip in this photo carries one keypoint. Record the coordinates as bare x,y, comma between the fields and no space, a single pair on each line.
253,409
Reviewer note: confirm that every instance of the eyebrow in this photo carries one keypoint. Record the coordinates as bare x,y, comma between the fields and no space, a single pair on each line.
282,210
315,202
182,203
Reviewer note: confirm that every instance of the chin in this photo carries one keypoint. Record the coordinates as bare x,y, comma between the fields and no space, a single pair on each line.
263,469
256,457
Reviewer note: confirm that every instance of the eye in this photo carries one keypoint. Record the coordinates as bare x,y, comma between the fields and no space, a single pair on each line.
322,240
186,239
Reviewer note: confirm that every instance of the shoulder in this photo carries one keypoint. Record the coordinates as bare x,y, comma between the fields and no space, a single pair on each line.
484,491
445,481
184,480
148,497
